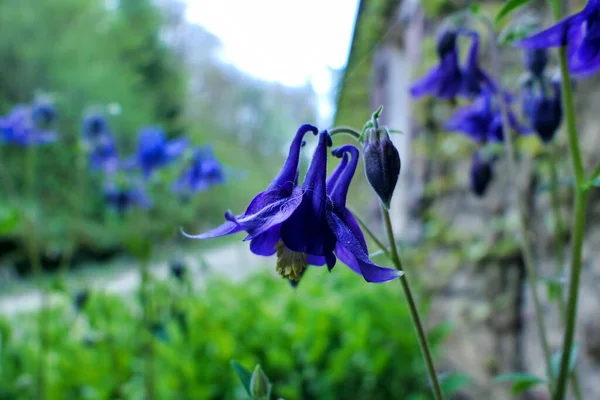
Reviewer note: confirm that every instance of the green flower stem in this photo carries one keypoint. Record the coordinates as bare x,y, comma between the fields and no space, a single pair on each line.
344,130
595,173
560,255
525,243
148,344
414,312
581,197
36,265
369,232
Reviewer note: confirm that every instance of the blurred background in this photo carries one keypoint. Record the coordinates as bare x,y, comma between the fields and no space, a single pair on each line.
239,78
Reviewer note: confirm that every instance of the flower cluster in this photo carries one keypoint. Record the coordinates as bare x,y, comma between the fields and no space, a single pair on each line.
307,224
28,125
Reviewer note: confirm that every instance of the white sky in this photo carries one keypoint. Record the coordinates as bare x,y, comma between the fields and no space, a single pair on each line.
289,41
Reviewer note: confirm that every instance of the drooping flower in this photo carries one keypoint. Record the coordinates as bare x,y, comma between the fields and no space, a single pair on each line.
449,79
481,174
154,151
19,127
44,114
265,213
122,198
382,163
94,126
580,33
482,120
350,245
104,155
536,61
542,109
204,171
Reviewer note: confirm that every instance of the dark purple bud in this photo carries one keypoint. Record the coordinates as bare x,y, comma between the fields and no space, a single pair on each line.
80,299
94,126
177,269
446,43
43,114
481,175
536,61
543,111
382,163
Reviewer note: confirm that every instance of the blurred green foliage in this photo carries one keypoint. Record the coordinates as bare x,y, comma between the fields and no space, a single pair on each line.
334,337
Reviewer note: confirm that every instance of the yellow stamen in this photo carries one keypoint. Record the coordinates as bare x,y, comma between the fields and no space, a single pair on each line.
290,264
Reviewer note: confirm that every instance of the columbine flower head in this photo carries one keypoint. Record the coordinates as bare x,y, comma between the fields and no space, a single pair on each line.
43,114
104,155
94,126
204,171
481,174
300,223
121,196
542,108
449,79
20,127
536,61
580,33
482,120
154,151
382,163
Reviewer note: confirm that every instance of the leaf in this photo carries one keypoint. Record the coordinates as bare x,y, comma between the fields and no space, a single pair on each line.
452,381
509,7
9,219
556,357
520,381
243,374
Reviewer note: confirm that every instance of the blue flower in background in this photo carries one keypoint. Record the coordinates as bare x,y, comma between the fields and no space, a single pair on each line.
94,126
542,109
154,151
104,155
19,126
448,79
44,114
481,174
204,171
122,198
580,33
301,224
536,61
482,120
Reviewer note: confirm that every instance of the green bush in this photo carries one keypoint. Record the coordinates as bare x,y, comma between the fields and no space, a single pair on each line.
333,337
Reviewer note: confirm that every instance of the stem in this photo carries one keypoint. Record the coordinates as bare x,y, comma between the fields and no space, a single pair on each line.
595,173
34,259
369,232
525,244
148,345
414,312
344,130
581,197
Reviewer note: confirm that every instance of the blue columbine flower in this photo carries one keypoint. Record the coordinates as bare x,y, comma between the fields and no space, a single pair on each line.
350,245
20,127
104,155
43,114
482,120
481,174
154,151
121,198
448,79
301,224
94,126
542,109
580,33
204,171
536,61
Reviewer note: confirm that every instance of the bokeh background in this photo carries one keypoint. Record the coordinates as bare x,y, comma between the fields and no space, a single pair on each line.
241,77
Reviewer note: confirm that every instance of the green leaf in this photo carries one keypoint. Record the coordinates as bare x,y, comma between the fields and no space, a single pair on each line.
509,7
9,219
556,357
244,375
474,8
520,381
594,182
453,381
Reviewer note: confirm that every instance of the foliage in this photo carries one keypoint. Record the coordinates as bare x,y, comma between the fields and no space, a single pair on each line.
332,337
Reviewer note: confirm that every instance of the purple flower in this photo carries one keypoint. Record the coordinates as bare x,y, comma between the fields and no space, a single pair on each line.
19,127
544,111
481,175
154,151
482,120
448,79
204,171
104,155
121,198
580,33
536,61
301,224
43,114
94,126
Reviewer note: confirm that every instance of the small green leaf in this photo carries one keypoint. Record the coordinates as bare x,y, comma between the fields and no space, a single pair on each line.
9,219
520,381
556,357
594,182
509,7
244,375
453,381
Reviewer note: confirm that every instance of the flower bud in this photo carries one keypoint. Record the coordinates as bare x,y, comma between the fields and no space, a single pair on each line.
259,384
481,175
446,43
543,111
177,269
536,61
382,163
43,114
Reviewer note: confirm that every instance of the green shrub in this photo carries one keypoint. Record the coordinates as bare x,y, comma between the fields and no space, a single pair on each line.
334,337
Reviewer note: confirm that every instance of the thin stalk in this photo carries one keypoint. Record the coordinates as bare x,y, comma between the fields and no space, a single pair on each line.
581,197
595,173
34,259
560,256
148,335
525,244
372,235
414,312
344,130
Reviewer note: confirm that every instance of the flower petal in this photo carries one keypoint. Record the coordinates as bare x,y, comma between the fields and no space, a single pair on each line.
370,271
333,178
557,35
176,147
227,228
264,244
340,191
